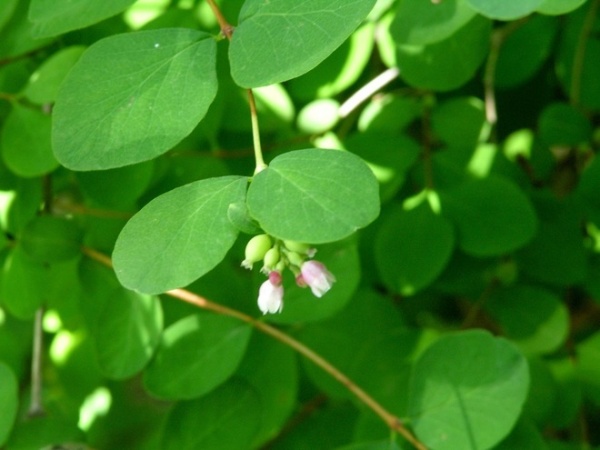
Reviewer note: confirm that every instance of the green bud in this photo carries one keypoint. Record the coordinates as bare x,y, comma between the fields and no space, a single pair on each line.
256,248
297,247
271,258
295,259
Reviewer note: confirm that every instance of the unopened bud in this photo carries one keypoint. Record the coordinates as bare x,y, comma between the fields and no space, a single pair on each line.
295,259
297,247
256,249
271,258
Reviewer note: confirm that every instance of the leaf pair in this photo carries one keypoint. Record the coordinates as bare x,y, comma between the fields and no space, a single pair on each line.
306,195
132,97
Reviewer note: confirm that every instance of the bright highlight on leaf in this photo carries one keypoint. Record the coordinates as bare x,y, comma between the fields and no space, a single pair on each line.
132,97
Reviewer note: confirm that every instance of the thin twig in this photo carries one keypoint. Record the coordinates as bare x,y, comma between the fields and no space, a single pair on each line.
391,420
226,27
36,406
498,38
368,90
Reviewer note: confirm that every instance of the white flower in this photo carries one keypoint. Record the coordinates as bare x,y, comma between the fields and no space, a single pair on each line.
270,294
316,276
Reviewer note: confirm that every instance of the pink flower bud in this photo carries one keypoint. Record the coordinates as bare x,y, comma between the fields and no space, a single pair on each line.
270,294
316,276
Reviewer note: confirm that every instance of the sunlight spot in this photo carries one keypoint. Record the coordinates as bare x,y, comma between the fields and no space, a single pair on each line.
94,406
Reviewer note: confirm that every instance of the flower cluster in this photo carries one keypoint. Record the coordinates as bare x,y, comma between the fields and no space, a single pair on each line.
276,255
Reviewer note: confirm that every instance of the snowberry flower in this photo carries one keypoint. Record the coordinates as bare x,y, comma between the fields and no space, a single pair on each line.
270,294
316,276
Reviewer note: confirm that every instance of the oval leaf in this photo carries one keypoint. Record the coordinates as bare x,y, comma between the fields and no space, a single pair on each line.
492,215
467,391
53,17
275,42
503,10
132,97
178,236
9,399
25,141
195,355
314,196
433,66
227,419
125,325
412,248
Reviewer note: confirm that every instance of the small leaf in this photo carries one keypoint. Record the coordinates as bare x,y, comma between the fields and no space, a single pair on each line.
25,142
467,391
558,7
195,355
275,42
434,66
179,236
314,196
132,97
23,282
54,17
504,10
226,419
9,399
564,125
421,23
412,248
492,216
51,239
125,325
533,318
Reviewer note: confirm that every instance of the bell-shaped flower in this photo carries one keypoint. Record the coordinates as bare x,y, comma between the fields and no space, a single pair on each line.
270,294
316,276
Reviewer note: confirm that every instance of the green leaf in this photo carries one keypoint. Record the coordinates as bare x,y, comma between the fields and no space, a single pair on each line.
564,125
51,239
492,215
7,8
119,187
339,71
584,89
313,196
557,254
25,142
17,38
423,23
467,391
9,399
45,81
558,7
125,325
459,122
533,318
179,236
503,10
54,17
525,50
226,419
300,305
132,97
195,355
277,389
23,283
434,66
412,248
274,42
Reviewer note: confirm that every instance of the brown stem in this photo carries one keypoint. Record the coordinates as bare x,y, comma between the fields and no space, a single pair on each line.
36,406
226,27
391,420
